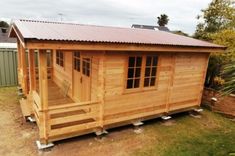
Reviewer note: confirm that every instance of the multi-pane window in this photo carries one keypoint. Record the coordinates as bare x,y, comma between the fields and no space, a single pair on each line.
142,71
86,65
150,71
60,58
134,72
76,61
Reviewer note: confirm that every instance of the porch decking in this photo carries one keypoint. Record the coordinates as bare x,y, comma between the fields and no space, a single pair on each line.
56,95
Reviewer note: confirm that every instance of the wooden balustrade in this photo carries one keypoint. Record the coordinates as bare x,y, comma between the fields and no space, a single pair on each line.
67,118
72,118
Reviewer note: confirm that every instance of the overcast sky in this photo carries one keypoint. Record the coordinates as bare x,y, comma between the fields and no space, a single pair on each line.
124,13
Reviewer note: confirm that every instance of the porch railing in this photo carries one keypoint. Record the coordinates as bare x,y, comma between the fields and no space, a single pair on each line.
67,118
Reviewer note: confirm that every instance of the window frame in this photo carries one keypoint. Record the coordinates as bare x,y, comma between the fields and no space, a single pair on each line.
77,58
60,59
141,87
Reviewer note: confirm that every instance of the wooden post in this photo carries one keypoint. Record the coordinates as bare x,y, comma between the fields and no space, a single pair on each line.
18,56
32,77
101,91
43,93
24,70
201,88
170,82
53,53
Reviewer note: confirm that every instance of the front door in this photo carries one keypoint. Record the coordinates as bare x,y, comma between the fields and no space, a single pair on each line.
81,77
86,78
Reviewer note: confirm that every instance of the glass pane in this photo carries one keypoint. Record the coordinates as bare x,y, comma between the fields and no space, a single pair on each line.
88,72
78,66
74,64
147,72
152,82
148,61
137,72
154,71
131,62
83,64
84,71
129,83
138,61
137,83
57,61
88,65
62,63
61,55
130,72
155,60
57,54
146,82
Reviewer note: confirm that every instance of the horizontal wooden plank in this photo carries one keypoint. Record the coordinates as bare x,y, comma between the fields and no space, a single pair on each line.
65,106
75,128
72,118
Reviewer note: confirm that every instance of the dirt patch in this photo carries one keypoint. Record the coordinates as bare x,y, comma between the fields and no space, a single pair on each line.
18,137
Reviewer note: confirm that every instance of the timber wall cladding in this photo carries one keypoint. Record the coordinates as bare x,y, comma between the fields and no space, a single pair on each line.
180,77
8,67
63,73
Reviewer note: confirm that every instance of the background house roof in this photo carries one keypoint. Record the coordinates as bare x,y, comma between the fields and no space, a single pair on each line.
56,31
151,27
4,37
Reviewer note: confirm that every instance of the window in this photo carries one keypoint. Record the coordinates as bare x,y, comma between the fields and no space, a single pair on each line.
60,58
86,65
76,61
134,72
141,72
150,71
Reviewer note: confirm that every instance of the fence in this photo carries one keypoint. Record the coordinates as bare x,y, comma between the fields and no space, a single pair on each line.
8,67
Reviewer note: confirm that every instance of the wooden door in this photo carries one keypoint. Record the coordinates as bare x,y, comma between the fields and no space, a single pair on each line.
86,78
81,77
77,76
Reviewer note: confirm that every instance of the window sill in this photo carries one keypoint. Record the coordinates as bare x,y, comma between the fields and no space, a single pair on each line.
132,91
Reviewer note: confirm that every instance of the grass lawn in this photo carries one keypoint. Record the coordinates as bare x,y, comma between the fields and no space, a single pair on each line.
183,135
211,135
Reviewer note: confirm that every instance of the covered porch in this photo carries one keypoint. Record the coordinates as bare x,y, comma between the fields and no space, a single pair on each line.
57,114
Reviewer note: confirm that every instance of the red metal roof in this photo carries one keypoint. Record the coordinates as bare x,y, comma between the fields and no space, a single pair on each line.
43,30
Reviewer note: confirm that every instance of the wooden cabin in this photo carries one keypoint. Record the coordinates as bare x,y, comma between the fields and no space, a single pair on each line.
103,77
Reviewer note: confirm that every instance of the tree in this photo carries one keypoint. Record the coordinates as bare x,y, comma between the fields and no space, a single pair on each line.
162,20
218,26
4,24
179,32
219,15
229,75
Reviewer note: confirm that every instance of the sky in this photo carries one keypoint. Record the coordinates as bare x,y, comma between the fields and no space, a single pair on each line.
122,13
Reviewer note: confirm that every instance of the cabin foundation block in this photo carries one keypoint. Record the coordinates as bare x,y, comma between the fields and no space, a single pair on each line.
43,146
166,117
196,113
101,133
31,119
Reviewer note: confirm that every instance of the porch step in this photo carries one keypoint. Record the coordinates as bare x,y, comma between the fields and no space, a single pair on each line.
24,108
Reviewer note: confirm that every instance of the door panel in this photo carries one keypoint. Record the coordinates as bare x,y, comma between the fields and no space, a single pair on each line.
81,77
86,78
77,76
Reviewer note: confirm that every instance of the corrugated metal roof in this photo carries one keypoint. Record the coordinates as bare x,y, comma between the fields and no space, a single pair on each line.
43,30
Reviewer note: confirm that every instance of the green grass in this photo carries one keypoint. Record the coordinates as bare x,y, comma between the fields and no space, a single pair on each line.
212,135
